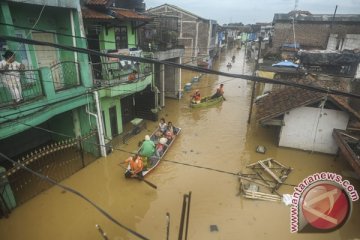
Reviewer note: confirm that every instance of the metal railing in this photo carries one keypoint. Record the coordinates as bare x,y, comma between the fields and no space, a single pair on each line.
157,46
115,73
20,86
65,75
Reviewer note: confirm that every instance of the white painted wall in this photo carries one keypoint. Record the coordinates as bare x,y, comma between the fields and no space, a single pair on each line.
357,75
351,41
305,128
332,42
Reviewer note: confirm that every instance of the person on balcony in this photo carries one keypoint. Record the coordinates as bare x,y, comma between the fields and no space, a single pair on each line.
132,76
11,75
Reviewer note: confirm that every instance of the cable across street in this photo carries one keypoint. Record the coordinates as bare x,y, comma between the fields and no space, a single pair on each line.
182,66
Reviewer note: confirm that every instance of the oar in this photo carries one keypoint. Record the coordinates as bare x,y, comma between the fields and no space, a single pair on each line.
141,178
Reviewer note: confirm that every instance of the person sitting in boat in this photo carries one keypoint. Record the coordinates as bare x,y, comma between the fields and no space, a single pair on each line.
219,92
229,66
196,97
172,128
160,147
162,125
169,134
147,149
136,167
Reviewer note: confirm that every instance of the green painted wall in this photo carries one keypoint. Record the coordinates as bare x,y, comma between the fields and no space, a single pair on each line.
52,18
88,124
106,104
108,36
132,38
66,127
126,89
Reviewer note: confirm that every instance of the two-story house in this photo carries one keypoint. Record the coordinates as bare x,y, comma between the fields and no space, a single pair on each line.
198,35
51,123
115,30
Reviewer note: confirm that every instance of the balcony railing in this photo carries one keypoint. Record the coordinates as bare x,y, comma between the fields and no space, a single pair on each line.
115,73
65,75
155,47
20,86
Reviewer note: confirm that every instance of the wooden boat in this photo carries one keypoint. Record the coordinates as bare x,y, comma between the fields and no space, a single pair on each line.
207,101
154,161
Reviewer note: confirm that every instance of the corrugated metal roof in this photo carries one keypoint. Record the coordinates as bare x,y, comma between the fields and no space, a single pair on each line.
92,14
122,13
97,2
282,101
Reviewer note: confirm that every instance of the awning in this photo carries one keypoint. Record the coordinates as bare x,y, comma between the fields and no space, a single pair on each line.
285,64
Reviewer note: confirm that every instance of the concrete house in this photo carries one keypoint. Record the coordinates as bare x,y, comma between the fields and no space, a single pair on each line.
197,34
160,39
312,31
50,129
115,30
306,119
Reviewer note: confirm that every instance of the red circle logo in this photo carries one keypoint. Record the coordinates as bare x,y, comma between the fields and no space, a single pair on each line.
325,206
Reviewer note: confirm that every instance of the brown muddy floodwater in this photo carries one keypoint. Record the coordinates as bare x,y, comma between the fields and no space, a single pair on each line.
216,137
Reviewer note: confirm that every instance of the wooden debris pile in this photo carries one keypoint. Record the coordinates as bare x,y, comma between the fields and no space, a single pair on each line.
269,174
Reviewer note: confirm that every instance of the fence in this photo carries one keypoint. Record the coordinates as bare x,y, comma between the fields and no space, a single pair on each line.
29,87
65,75
117,72
57,160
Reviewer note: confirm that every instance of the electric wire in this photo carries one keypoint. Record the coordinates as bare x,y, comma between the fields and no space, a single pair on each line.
89,91
75,192
86,38
188,67
130,152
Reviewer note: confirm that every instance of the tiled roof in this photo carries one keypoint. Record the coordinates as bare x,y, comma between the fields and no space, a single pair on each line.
122,13
282,101
92,14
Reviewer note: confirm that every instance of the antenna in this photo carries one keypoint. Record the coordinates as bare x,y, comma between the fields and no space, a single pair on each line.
293,22
296,4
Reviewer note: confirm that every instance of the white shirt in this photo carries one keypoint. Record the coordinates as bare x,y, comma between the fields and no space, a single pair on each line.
10,75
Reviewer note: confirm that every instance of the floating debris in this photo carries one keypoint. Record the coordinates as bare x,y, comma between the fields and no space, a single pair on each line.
214,228
261,149
195,79
251,190
187,87
268,173
287,199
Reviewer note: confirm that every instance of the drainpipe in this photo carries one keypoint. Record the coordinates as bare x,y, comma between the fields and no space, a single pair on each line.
99,124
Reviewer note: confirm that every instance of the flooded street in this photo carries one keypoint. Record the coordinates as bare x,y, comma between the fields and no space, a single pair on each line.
215,137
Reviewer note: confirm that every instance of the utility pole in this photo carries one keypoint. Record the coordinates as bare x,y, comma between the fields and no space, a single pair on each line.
254,82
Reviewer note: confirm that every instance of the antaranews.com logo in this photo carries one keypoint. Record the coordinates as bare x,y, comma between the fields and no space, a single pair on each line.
322,202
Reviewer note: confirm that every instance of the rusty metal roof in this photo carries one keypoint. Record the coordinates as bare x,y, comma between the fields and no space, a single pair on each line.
92,14
122,13
282,101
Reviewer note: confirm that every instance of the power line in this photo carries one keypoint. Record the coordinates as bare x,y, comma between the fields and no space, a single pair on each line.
73,191
122,150
54,32
188,67
88,92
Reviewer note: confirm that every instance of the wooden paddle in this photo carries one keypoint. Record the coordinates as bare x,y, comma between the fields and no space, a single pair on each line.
141,178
